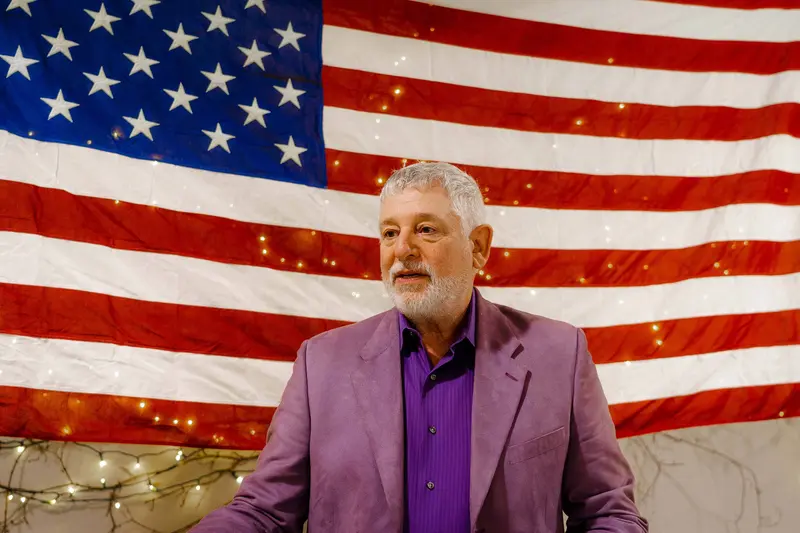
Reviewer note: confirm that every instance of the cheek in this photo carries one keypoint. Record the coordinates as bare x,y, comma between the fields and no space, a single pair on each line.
386,258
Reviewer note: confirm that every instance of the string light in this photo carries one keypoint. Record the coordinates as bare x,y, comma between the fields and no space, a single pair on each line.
610,60
610,265
716,265
336,163
262,238
780,414
142,404
52,502
103,480
20,449
488,277
582,280
384,108
659,342
30,134
530,186
239,480
138,465
655,327
622,106
10,497
397,91
197,487
103,463
175,422
89,142
579,122
71,489
333,263
116,202
506,253
190,421
157,418
23,499
117,505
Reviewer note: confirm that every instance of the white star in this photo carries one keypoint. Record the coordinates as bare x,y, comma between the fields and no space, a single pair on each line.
254,55
101,83
102,19
144,6
59,106
291,151
180,39
289,36
18,63
289,94
253,3
254,112
217,21
218,80
218,138
141,125
22,4
60,44
181,98
141,63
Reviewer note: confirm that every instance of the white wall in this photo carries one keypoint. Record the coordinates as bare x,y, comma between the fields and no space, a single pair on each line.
742,478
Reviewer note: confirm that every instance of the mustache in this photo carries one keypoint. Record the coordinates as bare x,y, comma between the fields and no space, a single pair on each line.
417,267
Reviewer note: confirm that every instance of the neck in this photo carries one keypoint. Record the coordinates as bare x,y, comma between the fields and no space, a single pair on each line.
439,332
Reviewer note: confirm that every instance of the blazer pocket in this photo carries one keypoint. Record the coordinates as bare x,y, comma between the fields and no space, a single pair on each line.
536,446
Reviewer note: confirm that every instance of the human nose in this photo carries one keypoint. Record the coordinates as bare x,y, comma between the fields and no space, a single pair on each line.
405,246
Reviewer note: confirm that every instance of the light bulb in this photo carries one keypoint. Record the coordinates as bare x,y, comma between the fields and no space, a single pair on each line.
117,505
20,449
23,499
10,496
103,480
71,489
137,465
142,404
197,487
239,480
52,502
103,463
190,422
152,488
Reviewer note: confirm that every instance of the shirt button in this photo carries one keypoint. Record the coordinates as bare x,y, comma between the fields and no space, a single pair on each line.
430,485
433,377
432,429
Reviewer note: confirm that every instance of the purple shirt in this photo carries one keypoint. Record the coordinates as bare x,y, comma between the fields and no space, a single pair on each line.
438,423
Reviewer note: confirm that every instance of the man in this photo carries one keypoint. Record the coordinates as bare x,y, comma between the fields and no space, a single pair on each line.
447,414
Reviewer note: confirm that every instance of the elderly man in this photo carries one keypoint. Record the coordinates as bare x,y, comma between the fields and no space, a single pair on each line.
447,414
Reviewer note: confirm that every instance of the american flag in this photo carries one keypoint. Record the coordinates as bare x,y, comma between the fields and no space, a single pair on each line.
188,190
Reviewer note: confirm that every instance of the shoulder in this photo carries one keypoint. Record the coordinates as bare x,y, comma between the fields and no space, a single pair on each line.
546,335
352,337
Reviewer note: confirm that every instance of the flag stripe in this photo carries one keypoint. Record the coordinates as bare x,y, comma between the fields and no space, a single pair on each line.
422,99
50,313
56,415
84,316
556,39
649,18
58,214
100,368
737,4
726,406
360,173
389,135
35,260
654,379
80,417
86,172
425,60
103,368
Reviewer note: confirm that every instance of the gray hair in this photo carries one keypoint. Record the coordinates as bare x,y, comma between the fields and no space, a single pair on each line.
464,192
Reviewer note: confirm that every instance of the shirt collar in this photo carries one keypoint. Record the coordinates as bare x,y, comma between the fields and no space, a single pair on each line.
466,332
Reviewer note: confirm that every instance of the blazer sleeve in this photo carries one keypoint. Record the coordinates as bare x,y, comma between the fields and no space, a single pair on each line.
274,498
598,484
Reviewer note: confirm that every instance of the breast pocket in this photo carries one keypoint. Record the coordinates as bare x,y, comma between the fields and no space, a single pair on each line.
536,446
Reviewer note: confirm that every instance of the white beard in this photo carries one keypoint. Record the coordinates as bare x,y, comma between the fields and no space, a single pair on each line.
439,297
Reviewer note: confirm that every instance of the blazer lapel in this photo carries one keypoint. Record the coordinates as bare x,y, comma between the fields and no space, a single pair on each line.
377,381
499,383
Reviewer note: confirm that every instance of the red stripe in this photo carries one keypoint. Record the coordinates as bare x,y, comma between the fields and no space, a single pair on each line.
693,336
418,20
40,414
428,100
726,406
737,4
59,214
76,417
83,316
360,173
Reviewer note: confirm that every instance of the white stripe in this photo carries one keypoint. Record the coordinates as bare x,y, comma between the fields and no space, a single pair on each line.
34,260
653,379
100,174
100,368
647,18
372,52
398,136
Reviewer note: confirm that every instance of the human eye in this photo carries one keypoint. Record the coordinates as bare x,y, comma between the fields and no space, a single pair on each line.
389,233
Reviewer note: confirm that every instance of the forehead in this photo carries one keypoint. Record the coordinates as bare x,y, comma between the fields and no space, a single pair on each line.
416,202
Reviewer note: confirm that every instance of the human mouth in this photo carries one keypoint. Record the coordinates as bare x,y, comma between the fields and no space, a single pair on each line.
409,277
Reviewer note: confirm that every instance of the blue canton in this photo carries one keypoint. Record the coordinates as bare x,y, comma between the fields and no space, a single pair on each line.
227,86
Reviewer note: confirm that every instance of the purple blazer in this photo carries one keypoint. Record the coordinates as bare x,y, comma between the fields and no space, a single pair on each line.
542,437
